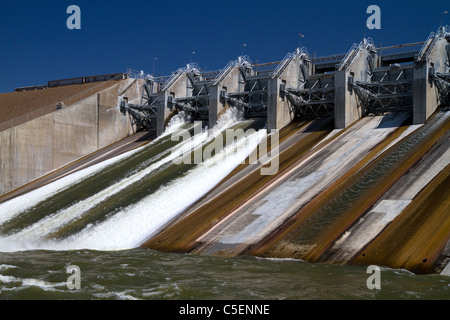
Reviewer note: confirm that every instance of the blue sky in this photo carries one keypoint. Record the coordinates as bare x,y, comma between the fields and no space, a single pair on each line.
36,46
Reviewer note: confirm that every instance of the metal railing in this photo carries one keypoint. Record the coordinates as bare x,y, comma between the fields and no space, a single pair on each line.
280,68
173,78
138,74
225,71
287,59
55,105
422,53
431,41
324,59
353,52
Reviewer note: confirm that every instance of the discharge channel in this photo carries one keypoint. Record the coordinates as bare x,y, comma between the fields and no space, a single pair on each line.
119,203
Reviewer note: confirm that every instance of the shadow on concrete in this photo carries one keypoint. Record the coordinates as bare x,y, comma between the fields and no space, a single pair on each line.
326,123
390,120
148,136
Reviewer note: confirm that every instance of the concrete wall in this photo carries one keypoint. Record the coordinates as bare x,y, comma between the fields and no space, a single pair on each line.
229,84
37,147
346,106
279,109
425,93
177,89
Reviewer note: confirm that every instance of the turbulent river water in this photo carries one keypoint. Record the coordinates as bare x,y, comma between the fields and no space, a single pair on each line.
95,220
147,274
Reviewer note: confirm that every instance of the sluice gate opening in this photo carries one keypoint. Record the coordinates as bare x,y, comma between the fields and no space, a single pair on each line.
143,115
367,80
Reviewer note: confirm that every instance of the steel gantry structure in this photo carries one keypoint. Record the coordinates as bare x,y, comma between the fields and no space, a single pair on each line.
196,101
365,81
389,89
251,97
313,99
144,115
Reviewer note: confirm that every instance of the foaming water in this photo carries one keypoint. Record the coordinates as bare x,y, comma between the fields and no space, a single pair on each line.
14,206
122,208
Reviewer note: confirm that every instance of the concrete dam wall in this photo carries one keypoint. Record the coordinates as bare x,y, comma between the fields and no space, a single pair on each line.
363,162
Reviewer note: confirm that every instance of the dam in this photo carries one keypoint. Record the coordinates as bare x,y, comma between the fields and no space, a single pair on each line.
361,140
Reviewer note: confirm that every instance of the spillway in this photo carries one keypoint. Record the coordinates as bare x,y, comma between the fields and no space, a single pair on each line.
363,156
336,195
336,191
118,203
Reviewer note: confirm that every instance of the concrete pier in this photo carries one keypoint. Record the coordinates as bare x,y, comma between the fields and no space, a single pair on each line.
291,73
347,107
218,89
433,58
174,87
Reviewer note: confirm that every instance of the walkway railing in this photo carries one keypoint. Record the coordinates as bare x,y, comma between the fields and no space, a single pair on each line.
173,78
225,71
431,41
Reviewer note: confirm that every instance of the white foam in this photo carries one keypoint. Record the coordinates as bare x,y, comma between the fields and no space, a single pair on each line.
16,205
130,227
133,225
6,267
30,282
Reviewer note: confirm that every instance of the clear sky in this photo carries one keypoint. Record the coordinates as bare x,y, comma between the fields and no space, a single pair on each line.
36,45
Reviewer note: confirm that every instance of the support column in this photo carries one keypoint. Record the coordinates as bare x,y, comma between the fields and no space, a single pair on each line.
346,106
425,93
215,105
279,112
420,92
163,112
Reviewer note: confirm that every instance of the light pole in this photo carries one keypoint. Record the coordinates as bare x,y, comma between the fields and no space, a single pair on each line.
301,35
154,60
442,17
243,46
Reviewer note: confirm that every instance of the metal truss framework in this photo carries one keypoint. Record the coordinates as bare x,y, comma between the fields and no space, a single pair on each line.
378,97
197,106
253,100
442,81
313,102
143,115
196,102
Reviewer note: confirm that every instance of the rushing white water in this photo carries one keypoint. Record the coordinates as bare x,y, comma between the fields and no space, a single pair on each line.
131,226
16,205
